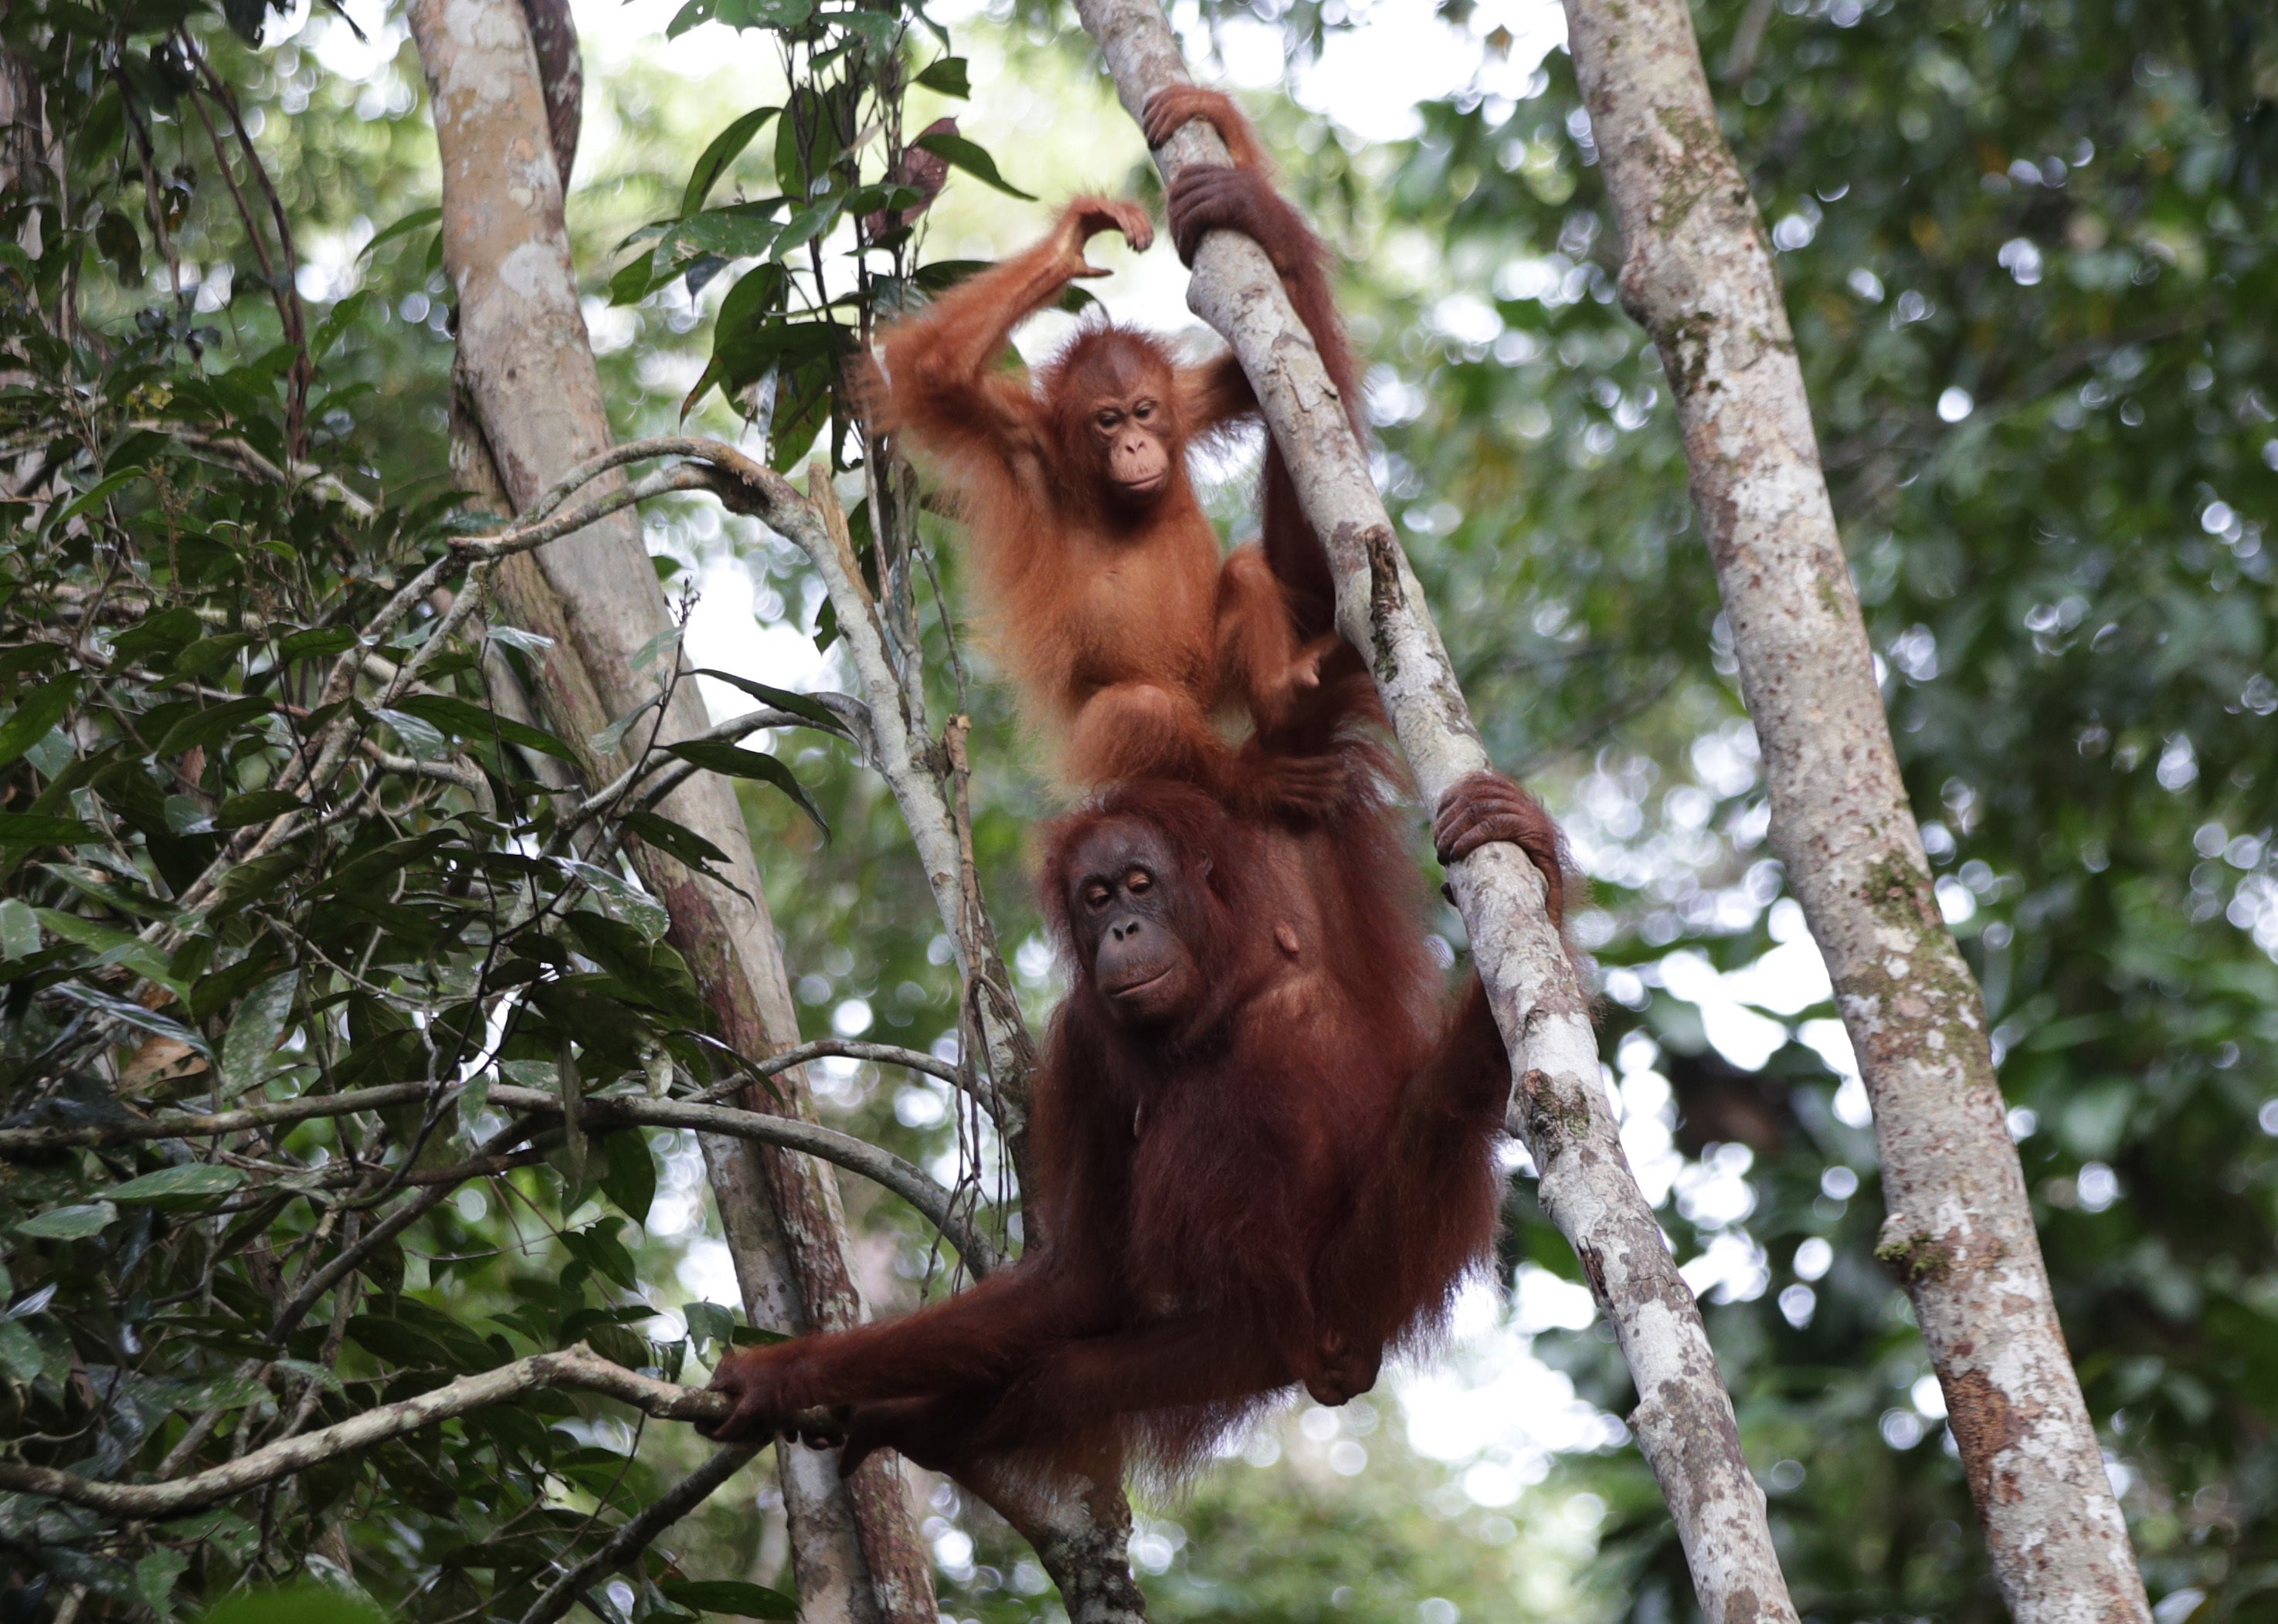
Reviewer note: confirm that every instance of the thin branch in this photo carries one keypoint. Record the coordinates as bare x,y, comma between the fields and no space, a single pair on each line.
577,1369
905,1179
634,1537
20,1141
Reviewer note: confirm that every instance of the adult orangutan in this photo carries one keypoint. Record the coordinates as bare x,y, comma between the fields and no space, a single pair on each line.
1263,1142
1099,572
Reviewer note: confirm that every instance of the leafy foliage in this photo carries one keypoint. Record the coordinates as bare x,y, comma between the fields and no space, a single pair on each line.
266,841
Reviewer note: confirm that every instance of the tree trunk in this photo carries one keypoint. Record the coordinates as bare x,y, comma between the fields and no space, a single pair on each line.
1698,274
1683,1419
530,387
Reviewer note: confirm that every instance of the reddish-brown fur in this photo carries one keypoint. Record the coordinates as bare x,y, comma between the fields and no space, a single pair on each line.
1111,607
1268,1174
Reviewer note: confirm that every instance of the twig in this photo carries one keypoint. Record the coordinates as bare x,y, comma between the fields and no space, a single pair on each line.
912,1183
634,1537
209,1124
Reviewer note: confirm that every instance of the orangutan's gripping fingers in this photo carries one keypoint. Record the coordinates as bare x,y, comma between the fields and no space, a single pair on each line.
1202,201
1487,807
752,1380
1173,106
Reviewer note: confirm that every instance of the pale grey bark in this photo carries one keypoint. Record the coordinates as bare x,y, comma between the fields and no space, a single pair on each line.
1697,272
528,384
1683,1419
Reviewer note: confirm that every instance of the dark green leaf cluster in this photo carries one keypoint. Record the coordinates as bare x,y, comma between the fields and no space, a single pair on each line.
265,840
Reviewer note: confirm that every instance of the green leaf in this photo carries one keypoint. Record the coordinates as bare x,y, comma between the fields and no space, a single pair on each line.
738,1599
726,147
736,231
666,836
337,322
154,1579
597,1247
20,1350
965,155
297,1604
410,222
606,741
207,727
41,709
20,929
118,241
634,279
662,646
98,495
630,1178
208,655
469,721
250,882
783,699
33,829
319,642
254,1032
719,756
163,633
255,806
421,738
946,77
173,1188
708,1321
69,1222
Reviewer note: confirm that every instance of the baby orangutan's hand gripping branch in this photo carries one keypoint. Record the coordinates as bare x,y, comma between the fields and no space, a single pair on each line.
1099,570
1265,1150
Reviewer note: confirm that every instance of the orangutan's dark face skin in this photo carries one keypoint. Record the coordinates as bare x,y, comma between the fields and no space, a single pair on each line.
1123,908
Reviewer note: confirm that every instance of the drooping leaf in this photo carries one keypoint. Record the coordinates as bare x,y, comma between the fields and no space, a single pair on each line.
255,806
630,1178
719,756
250,1045
973,159
469,721
736,1597
725,147
682,843
41,709
946,77
412,222
783,699
211,725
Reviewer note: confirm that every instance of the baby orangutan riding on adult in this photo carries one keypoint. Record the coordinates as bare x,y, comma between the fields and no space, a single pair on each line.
1262,1147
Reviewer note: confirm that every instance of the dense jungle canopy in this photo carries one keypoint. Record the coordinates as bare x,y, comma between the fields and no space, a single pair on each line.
2029,251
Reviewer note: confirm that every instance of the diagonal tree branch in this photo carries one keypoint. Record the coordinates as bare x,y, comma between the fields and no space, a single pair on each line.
1684,1421
577,1368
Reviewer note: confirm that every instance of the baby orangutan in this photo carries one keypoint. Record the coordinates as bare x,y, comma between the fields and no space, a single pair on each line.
1100,574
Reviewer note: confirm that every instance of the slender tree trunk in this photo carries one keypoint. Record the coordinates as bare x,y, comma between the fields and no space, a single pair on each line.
1698,274
529,386
1683,1419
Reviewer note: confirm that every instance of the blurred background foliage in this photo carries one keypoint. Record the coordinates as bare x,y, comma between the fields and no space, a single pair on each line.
2029,254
